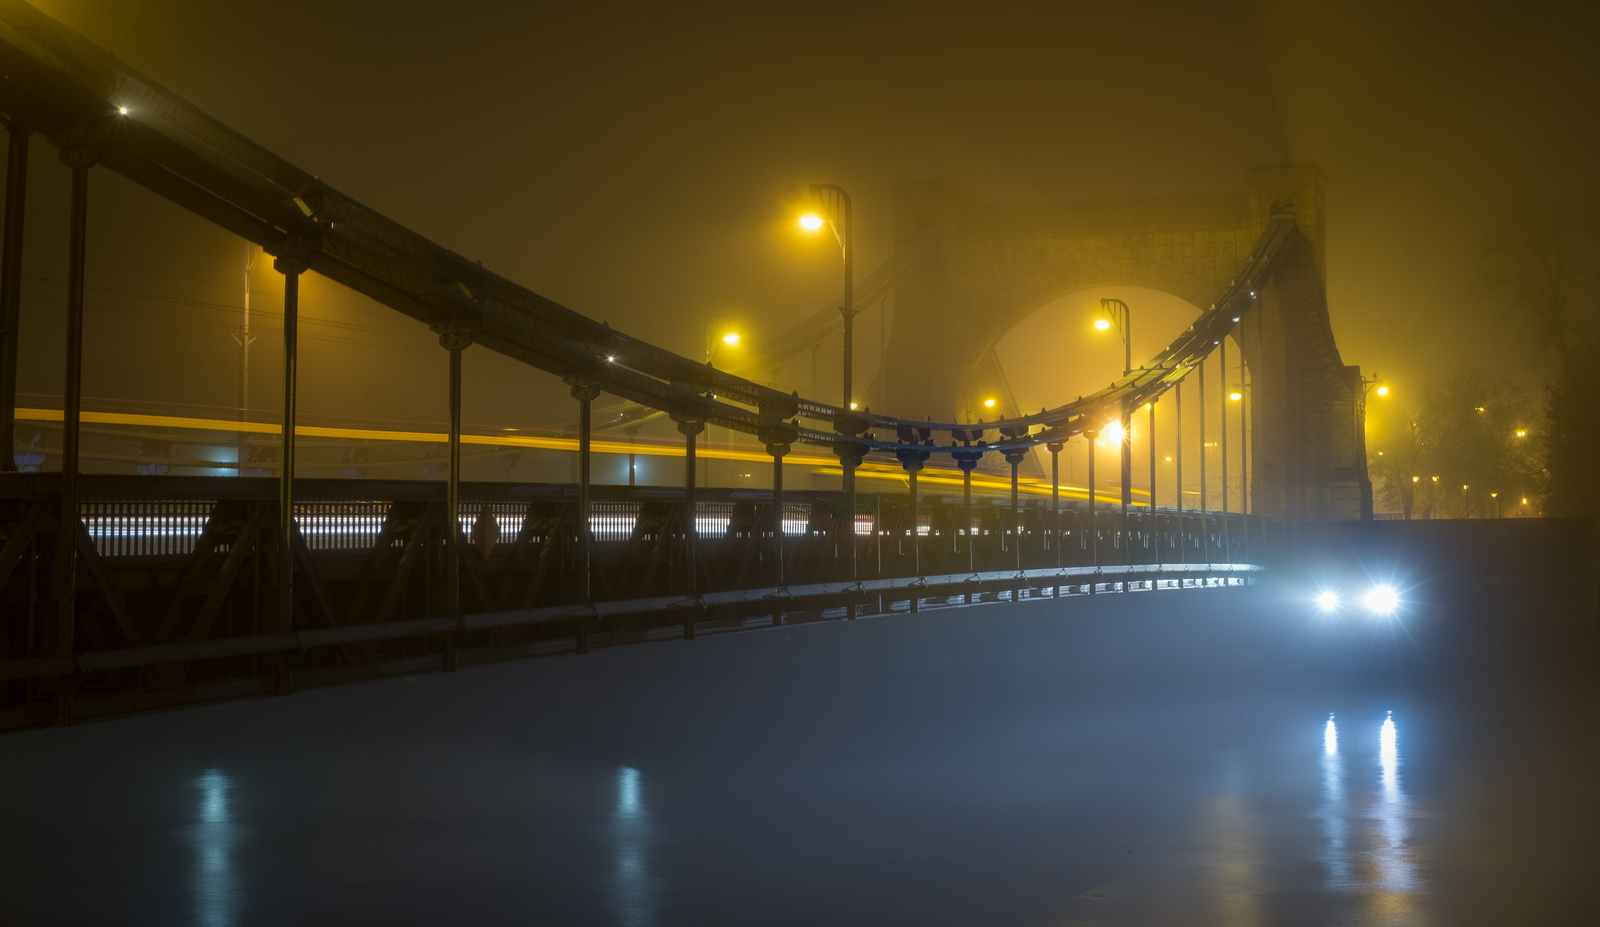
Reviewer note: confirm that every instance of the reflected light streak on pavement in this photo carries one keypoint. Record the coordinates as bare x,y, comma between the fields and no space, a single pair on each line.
630,881
216,889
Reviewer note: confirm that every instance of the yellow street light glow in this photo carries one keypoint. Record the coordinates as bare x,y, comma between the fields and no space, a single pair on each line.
1102,324
123,110
730,338
811,222
1235,396
1383,391
988,403
852,405
1169,460
1522,432
1415,478
1114,433
1436,479
1494,495
1524,502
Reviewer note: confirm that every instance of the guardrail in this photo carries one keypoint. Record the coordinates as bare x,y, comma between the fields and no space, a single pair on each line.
176,597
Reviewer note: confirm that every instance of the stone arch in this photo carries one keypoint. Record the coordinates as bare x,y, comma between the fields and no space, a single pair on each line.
1009,304
996,263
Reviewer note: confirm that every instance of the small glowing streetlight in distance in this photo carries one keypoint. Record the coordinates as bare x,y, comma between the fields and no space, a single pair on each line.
988,403
852,406
810,222
731,338
1102,324
1328,601
123,110
1113,432
1522,432
1235,396
1383,391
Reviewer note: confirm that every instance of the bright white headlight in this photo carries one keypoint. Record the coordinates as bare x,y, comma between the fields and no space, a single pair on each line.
1383,600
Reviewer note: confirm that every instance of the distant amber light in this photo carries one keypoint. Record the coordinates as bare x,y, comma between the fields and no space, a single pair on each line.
1235,396
730,338
1102,324
1522,432
811,222
1383,391
852,406
1114,433
988,403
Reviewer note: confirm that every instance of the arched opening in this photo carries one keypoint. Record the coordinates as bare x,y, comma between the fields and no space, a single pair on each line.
1056,353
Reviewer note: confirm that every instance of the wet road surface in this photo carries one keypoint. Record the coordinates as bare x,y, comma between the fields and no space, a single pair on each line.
1227,757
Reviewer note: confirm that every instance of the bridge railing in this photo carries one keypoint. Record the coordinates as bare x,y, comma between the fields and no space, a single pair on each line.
176,600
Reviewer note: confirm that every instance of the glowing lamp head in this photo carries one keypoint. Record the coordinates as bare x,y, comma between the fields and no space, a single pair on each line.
1236,396
1328,601
1383,391
1522,432
730,339
988,403
122,110
1383,600
810,223
1114,433
1102,324
853,407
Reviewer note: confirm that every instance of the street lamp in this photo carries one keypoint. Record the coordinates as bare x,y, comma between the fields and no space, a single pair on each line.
1116,313
836,204
728,338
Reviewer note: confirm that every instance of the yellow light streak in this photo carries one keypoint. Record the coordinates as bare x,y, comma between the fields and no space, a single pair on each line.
373,434
828,465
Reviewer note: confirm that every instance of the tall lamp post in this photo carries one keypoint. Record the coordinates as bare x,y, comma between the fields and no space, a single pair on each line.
836,206
1116,312
728,339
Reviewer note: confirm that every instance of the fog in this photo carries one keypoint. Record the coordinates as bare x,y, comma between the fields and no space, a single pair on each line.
642,165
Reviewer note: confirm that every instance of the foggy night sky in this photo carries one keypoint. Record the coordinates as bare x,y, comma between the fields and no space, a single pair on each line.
642,164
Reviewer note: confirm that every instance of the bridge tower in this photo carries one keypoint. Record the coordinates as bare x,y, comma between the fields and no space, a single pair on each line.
996,263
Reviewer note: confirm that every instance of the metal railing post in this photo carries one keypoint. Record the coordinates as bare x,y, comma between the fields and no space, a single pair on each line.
290,257
1205,539
66,552
586,393
11,288
454,337
1055,508
1177,476
690,428
1014,458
